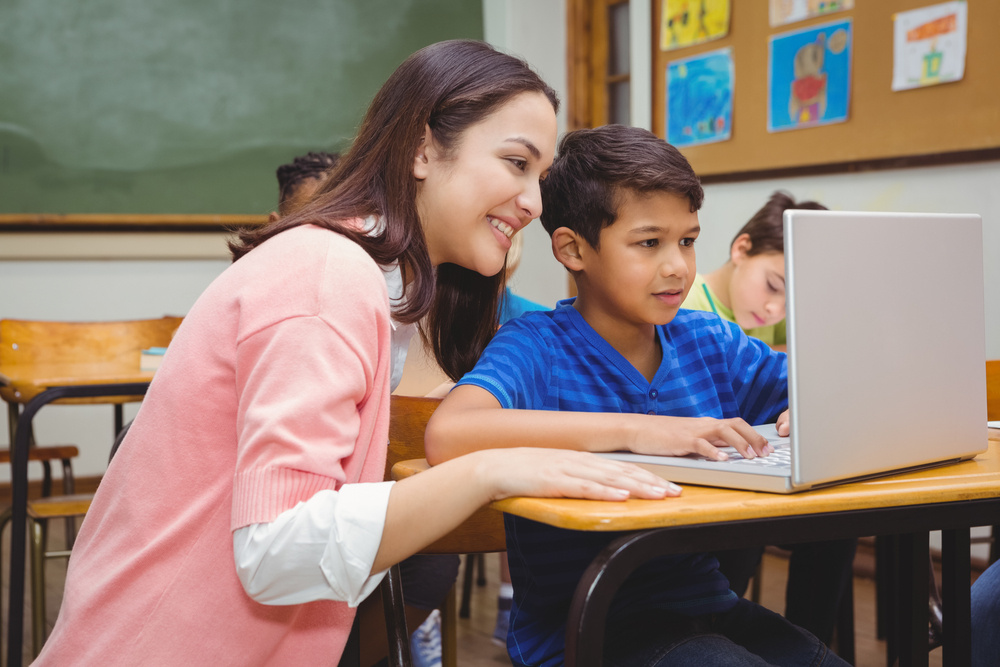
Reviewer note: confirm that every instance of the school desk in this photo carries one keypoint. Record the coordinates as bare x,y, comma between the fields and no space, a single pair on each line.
949,498
34,386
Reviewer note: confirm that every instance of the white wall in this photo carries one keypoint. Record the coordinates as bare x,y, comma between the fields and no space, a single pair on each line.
536,31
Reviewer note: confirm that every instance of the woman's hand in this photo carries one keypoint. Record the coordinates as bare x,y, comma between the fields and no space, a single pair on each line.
559,473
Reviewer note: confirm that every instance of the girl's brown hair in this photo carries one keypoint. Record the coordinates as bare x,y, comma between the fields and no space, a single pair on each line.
448,86
765,228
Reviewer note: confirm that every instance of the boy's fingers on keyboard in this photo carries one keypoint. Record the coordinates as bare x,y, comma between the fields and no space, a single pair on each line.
748,442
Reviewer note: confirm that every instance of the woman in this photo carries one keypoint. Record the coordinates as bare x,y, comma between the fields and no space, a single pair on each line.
262,438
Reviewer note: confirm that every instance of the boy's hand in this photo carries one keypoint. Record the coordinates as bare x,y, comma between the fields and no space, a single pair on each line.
784,424
702,436
560,473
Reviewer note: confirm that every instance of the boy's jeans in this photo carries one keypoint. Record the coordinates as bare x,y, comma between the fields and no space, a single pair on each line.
746,635
986,617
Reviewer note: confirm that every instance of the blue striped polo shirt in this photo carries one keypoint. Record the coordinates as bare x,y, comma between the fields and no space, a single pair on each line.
554,360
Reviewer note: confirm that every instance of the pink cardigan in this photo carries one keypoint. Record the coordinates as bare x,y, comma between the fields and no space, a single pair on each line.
276,386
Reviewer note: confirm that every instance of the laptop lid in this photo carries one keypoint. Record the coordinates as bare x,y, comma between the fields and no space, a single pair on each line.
887,341
886,344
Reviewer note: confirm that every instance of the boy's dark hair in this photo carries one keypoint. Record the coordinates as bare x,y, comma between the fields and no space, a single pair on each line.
314,164
596,167
765,228
449,86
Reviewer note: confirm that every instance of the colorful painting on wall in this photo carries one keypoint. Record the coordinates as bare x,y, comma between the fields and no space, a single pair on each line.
809,76
700,99
790,11
690,22
929,45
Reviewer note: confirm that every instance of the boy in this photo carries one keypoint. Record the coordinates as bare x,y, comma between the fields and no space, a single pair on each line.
300,180
620,368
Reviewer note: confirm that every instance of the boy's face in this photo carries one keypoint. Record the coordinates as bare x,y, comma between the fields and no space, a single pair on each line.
645,264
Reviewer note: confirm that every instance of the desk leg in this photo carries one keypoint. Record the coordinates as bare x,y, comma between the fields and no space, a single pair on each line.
956,575
19,496
911,615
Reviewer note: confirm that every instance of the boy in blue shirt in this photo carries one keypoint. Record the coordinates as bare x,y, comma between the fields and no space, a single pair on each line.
622,368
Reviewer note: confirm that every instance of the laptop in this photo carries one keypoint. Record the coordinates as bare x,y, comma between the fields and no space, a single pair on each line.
886,351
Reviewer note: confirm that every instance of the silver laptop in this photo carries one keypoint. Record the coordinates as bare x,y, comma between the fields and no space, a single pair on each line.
886,353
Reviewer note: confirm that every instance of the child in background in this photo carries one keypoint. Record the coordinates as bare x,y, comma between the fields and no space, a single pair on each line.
749,290
301,179
621,367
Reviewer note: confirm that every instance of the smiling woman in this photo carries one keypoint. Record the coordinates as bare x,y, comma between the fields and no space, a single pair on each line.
269,414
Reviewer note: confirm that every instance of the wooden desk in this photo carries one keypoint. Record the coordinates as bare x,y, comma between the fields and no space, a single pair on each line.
951,498
33,387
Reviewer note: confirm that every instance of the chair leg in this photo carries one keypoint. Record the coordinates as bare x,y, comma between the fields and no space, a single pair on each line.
37,585
69,488
465,611
756,583
845,624
395,618
481,569
449,631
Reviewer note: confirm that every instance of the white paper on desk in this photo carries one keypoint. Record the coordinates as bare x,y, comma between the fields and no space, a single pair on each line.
995,424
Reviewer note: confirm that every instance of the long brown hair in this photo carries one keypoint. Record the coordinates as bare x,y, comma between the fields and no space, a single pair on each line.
448,86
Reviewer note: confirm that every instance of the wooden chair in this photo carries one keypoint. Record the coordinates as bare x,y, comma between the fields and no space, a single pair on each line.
65,344
481,533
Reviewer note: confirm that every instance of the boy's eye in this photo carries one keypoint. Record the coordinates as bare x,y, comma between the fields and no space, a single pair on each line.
688,242
649,243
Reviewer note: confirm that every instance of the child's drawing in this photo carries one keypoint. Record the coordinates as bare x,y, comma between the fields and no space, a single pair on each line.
929,45
689,22
790,11
809,77
700,99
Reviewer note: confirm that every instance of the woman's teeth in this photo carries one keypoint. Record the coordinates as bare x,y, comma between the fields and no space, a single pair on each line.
504,228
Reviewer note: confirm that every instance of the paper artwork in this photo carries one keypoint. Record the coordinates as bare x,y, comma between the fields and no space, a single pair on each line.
809,76
700,99
790,11
929,45
689,22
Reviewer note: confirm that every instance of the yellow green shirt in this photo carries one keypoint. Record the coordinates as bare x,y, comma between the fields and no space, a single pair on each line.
701,298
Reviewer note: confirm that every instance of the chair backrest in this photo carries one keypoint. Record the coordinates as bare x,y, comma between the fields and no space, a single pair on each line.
482,532
35,342
993,389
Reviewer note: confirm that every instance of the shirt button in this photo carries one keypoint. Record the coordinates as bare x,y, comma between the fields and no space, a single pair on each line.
653,393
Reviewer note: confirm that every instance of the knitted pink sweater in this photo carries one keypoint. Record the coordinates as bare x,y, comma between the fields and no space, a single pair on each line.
276,386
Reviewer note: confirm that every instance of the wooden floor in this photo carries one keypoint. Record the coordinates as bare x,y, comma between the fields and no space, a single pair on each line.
475,646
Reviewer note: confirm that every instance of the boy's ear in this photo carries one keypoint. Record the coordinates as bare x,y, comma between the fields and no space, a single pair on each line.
566,248
740,248
421,159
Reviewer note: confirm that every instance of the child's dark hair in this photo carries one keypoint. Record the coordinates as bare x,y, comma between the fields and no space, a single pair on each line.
765,228
596,167
314,164
449,87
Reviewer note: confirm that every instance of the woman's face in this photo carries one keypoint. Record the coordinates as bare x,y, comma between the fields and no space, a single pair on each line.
472,202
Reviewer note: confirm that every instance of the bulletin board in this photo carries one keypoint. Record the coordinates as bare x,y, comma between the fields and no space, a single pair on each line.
951,122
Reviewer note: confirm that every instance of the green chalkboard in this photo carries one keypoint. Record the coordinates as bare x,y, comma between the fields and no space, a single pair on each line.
188,106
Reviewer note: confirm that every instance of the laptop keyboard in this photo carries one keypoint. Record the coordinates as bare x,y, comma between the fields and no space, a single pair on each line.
782,456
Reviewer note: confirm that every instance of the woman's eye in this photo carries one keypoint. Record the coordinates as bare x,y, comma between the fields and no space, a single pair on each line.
520,164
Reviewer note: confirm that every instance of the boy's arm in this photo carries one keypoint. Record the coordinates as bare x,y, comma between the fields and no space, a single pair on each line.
471,419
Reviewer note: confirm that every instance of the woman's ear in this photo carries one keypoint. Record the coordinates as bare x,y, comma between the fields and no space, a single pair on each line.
421,159
740,248
566,248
